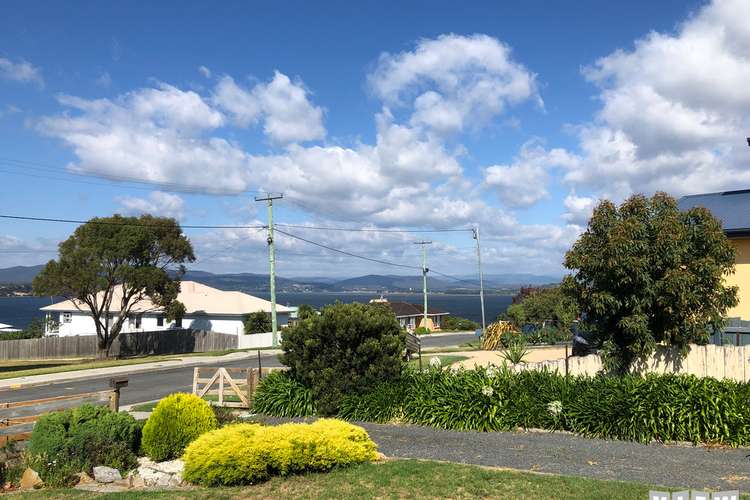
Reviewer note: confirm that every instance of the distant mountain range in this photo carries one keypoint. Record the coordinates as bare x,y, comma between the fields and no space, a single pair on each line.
22,275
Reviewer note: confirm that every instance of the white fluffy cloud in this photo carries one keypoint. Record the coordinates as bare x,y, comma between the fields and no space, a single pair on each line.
21,71
524,182
283,105
453,82
579,209
157,203
675,110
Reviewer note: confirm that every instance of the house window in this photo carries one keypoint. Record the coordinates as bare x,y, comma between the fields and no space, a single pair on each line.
160,321
67,317
135,321
178,323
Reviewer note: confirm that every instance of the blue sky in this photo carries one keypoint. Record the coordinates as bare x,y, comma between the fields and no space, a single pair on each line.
517,116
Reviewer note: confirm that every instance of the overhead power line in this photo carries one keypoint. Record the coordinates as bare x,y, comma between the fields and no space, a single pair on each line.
375,230
344,252
74,221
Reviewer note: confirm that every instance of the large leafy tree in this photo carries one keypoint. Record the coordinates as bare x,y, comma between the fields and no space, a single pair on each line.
646,273
540,305
115,263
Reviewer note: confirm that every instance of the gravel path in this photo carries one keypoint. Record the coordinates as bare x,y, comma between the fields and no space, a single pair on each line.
559,453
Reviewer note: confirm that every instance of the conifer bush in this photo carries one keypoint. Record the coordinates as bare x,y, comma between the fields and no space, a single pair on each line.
250,453
175,422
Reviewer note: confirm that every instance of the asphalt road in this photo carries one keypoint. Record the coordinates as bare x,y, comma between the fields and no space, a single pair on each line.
148,386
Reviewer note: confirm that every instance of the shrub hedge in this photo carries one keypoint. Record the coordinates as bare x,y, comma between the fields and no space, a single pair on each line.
176,421
249,453
634,408
65,443
280,395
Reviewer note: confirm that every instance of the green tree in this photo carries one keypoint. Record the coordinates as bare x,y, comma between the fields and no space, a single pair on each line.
346,349
540,305
305,311
257,322
458,324
110,264
646,273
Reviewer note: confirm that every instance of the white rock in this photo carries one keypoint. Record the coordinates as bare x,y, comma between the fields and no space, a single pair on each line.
106,474
162,474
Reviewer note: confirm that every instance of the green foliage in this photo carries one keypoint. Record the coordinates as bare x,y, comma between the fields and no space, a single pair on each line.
634,408
132,255
257,322
35,330
65,443
542,306
422,330
647,274
305,311
175,422
458,324
516,351
250,453
280,395
347,349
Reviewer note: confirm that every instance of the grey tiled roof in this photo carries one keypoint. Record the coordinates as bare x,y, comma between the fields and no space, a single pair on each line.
732,208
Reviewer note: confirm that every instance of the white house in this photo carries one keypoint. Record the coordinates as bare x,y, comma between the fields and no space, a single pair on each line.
206,308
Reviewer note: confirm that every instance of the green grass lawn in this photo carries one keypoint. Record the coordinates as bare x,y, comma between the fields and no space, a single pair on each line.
403,479
446,360
474,345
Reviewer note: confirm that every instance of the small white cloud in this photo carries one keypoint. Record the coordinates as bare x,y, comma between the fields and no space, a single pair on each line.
453,82
157,203
103,80
288,115
204,71
579,209
21,71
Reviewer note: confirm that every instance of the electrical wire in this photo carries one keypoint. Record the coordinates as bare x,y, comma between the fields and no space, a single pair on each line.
73,221
375,230
356,256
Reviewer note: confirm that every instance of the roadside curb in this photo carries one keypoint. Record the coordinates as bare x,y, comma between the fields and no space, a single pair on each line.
93,373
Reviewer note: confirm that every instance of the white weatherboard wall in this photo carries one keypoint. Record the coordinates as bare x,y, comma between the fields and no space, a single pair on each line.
83,324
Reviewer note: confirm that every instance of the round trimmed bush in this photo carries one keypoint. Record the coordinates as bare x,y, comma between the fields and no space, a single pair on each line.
175,422
249,453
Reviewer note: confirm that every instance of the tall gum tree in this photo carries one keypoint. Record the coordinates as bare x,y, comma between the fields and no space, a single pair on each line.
112,266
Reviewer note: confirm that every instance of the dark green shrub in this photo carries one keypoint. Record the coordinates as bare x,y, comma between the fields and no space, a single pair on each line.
281,396
457,324
257,322
176,421
347,349
65,443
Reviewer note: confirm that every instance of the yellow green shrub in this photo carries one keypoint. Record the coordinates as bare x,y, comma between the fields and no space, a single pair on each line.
249,453
175,422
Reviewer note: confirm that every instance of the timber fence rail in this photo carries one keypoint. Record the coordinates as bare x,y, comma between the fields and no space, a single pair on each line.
125,345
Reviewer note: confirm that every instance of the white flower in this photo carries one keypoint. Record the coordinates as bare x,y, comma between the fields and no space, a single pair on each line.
488,391
491,371
554,408
435,362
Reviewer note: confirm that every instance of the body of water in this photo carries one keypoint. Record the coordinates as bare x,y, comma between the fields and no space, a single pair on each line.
19,311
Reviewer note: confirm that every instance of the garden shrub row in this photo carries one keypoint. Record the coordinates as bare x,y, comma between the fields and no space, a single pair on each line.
65,443
250,453
634,408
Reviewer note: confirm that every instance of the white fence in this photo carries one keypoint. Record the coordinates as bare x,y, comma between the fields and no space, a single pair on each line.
720,362
255,340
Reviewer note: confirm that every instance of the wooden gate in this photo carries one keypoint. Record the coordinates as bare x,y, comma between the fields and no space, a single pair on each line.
228,387
17,419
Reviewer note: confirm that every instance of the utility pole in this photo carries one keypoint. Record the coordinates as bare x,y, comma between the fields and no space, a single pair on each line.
424,277
481,277
272,261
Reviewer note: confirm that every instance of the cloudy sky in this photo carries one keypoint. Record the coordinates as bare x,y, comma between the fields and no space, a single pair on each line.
514,116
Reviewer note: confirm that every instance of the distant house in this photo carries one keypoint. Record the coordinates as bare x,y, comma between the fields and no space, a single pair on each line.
207,308
732,208
411,316
7,328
